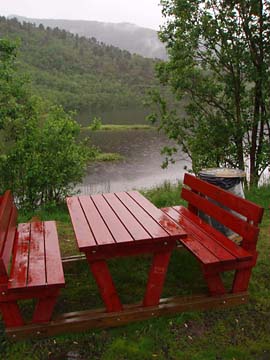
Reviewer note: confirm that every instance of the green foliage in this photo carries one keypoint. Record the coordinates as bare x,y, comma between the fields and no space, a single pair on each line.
96,124
219,69
41,159
77,72
46,161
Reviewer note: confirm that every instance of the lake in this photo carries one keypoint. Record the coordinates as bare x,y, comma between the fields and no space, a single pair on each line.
141,167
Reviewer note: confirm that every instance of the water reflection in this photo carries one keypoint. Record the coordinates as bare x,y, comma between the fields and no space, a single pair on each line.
141,167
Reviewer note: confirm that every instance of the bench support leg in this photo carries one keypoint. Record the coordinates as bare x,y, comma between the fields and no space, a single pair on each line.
106,286
156,278
11,314
214,283
44,309
241,280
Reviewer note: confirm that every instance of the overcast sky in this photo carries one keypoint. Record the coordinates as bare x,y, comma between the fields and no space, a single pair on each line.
145,13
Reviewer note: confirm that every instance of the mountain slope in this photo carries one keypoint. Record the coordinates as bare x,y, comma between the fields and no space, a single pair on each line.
77,72
130,37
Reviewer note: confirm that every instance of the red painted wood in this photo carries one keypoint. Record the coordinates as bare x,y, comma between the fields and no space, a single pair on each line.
215,284
98,227
115,225
11,314
81,228
133,226
240,253
156,278
158,215
19,268
244,207
5,212
150,225
54,268
132,249
44,309
241,280
36,264
10,237
106,286
244,229
203,237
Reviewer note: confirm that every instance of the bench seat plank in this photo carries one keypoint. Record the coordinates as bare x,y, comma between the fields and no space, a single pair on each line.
206,246
36,264
198,235
54,268
36,259
228,244
18,273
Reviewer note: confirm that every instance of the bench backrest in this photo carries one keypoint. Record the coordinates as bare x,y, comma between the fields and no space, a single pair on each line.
218,204
8,220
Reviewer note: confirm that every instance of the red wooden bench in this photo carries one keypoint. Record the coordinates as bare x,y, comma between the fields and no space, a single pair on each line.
35,271
216,252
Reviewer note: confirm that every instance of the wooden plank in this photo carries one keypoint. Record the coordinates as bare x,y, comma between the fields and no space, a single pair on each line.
150,225
10,237
54,268
106,285
244,207
156,278
36,267
117,229
5,212
207,241
81,227
158,215
130,222
81,321
235,249
233,222
98,227
19,267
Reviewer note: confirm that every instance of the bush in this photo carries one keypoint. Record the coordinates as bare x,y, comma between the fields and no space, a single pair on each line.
46,161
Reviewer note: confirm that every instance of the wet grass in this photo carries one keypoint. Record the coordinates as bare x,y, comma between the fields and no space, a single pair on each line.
240,333
120,127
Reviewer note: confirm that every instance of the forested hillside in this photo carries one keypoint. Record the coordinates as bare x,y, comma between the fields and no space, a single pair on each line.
135,39
77,72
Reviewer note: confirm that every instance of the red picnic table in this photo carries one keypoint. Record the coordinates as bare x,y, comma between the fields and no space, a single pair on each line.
123,224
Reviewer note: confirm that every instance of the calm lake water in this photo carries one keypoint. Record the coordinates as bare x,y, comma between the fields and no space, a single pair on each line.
141,167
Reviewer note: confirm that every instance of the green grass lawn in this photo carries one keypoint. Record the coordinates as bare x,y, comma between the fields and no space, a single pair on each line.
239,333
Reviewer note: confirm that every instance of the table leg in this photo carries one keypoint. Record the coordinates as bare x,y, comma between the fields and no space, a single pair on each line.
106,286
156,278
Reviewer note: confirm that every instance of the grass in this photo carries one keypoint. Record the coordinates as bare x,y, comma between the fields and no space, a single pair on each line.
120,127
108,157
240,333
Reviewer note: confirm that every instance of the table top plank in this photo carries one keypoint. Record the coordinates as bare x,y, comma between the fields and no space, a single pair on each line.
83,233
158,215
134,227
116,227
154,229
96,222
